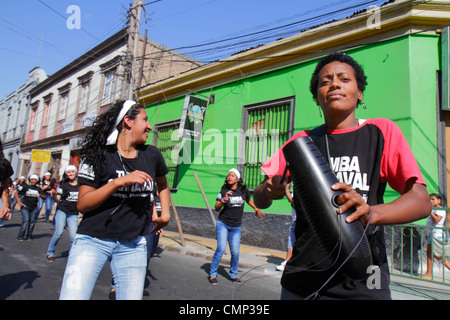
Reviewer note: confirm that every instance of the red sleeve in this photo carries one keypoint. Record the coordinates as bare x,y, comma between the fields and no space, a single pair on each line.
276,163
398,163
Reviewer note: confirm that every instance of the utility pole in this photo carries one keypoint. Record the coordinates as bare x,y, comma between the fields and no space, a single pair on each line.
135,25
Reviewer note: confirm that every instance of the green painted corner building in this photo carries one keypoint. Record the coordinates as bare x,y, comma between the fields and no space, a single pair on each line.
259,98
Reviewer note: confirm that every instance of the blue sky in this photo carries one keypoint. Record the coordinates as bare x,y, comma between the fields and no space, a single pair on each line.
184,24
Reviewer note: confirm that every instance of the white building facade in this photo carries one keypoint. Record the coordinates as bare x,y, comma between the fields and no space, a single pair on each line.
67,102
13,117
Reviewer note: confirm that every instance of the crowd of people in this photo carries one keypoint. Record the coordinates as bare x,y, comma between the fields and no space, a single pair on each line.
114,190
34,194
120,178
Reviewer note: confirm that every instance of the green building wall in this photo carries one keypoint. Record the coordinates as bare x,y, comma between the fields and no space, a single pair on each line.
401,75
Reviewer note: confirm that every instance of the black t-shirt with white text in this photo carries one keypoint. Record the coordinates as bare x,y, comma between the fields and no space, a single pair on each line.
126,213
30,194
69,197
232,211
47,186
367,157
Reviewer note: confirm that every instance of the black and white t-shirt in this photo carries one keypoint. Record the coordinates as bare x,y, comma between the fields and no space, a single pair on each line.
126,213
30,194
367,157
47,186
69,198
232,210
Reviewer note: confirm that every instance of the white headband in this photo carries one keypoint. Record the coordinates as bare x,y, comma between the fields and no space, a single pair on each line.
34,176
71,167
236,172
112,138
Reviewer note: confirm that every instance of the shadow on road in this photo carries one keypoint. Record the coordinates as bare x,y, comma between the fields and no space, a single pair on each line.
10,283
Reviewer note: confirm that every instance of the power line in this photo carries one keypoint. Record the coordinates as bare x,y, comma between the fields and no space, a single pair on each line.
98,90
16,29
65,18
265,35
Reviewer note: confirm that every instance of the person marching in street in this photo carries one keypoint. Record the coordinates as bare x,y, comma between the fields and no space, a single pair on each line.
12,198
153,238
380,153
66,212
117,177
29,206
291,236
14,188
230,202
47,185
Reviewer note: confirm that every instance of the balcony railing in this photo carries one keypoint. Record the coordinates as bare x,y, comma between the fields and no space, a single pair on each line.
406,247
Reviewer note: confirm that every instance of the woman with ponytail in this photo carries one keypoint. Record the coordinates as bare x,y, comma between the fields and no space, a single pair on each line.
230,202
117,179
66,196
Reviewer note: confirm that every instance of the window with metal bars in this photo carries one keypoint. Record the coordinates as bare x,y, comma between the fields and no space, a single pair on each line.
165,139
267,126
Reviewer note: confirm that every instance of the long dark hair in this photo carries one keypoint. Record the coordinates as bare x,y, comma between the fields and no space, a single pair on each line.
94,143
4,165
5,170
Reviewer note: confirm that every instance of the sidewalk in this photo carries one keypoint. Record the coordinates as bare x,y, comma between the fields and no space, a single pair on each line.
261,259
265,261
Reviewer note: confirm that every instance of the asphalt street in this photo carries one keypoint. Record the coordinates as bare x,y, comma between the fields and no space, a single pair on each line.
25,273
177,283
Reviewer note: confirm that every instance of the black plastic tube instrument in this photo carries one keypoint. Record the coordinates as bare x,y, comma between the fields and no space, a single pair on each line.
312,177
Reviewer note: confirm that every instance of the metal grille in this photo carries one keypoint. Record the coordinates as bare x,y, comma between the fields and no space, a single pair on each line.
268,127
166,141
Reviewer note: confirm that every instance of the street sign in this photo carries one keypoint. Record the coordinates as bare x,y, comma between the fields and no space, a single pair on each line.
40,155
192,118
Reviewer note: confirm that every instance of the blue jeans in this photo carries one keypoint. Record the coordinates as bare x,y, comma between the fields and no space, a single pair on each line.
225,232
48,206
152,241
29,217
88,255
60,219
40,204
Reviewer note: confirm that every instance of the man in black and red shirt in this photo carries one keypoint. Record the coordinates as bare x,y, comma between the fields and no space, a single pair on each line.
364,155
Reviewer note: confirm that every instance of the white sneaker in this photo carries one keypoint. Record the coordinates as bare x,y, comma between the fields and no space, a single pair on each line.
281,266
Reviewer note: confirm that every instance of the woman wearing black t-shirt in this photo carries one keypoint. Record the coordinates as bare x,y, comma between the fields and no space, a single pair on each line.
66,196
232,198
48,186
29,207
118,175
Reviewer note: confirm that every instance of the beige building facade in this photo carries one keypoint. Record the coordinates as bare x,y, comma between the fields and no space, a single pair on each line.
65,105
